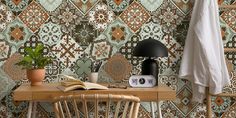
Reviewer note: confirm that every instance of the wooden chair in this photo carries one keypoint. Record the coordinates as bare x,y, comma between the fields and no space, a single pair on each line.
77,106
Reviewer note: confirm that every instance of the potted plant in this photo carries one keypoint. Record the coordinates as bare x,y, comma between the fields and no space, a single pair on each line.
34,62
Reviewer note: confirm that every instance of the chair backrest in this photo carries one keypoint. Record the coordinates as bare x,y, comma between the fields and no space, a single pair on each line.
96,105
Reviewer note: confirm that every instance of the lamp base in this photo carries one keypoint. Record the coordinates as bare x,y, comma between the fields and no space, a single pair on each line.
150,67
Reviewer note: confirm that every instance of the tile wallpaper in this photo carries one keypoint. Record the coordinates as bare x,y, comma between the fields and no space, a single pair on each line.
78,33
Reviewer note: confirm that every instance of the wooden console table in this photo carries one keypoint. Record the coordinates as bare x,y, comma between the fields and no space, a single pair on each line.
46,92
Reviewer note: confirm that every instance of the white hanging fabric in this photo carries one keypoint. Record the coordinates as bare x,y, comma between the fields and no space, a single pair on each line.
203,61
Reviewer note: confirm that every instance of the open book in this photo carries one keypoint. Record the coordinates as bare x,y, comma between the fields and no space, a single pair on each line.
70,83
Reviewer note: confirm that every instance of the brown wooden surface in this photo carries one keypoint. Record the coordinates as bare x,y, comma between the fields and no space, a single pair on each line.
46,92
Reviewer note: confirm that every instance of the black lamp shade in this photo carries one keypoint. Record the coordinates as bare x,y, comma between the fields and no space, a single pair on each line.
150,48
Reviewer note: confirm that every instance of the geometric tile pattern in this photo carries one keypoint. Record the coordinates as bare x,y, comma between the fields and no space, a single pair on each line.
118,33
17,5
100,16
118,6
127,50
101,48
221,104
50,5
168,16
151,5
84,5
83,67
79,33
16,33
229,17
6,16
85,34
67,15
33,16
135,16
50,33
152,30
6,84
184,6
5,51
67,52
183,101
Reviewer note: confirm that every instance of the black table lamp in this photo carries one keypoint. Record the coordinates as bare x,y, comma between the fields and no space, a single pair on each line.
150,48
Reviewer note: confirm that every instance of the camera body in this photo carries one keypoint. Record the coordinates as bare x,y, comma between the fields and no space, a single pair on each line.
142,81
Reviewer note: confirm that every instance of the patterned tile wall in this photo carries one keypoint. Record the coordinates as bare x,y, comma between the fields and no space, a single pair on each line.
78,33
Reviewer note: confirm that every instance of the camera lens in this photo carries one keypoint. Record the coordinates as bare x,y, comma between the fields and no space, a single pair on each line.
141,80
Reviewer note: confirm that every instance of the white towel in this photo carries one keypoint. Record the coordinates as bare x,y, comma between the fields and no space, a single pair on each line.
203,61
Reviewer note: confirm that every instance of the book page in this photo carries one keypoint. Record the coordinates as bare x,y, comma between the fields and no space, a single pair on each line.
89,85
70,88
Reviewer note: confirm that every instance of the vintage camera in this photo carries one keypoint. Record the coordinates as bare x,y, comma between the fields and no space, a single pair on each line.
142,81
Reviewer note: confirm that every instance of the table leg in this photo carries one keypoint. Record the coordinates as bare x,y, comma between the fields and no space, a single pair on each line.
159,109
30,109
34,109
152,109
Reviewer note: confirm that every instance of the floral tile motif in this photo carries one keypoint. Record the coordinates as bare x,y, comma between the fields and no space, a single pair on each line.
185,6
135,16
85,34
231,112
33,41
4,113
50,33
41,113
183,101
17,5
85,5
53,70
118,6
101,49
151,5
168,16
67,52
118,67
118,33
83,67
127,50
169,80
16,33
67,15
170,111
152,30
229,17
181,32
50,5
33,16
13,71
5,51
100,16
226,32
6,84
6,16
221,105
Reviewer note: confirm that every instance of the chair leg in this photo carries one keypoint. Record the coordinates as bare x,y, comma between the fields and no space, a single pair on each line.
30,109
34,109
152,109
159,109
